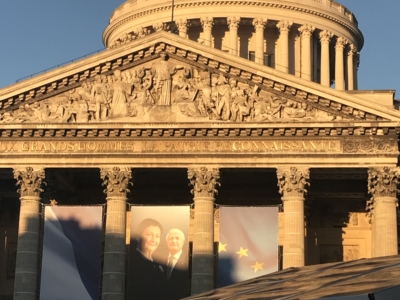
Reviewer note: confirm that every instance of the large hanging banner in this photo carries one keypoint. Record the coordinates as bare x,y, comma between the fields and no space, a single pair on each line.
158,255
248,243
71,253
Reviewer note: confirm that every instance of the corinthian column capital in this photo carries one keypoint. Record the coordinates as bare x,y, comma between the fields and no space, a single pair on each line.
325,36
352,50
306,30
340,43
284,26
292,181
233,22
204,181
382,182
182,25
259,23
116,181
207,22
29,181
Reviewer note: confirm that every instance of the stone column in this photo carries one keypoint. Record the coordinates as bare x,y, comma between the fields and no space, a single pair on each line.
233,23
325,38
306,33
350,66
284,28
292,182
207,24
259,25
26,284
116,181
357,64
339,63
204,182
182,27
382,185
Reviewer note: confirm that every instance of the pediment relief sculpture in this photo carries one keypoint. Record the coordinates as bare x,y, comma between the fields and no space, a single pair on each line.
166,90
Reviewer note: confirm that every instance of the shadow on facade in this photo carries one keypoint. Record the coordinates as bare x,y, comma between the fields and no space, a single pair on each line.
69,261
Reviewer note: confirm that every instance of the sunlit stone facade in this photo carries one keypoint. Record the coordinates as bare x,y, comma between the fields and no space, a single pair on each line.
255,124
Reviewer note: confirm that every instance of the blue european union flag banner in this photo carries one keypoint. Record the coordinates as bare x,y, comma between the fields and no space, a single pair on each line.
71,262
248,243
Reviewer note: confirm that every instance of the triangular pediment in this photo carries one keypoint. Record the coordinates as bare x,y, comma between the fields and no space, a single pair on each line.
163,78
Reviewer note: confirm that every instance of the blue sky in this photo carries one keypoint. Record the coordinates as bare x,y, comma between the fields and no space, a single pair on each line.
39,34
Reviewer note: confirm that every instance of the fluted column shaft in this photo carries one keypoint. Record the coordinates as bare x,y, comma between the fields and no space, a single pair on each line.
204,182
382,185
306,33
207,24
116,181
233,23
284,29
259,25
350,67
27,262
339,63
292,182
356,64
325,38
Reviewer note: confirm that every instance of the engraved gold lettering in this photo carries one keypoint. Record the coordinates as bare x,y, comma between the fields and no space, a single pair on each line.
52,146
285,145
62,146
25,146
91,146
34,146
246,146
235,146
12,146
255,146
265,146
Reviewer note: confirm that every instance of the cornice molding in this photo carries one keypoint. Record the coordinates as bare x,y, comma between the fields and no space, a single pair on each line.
181,130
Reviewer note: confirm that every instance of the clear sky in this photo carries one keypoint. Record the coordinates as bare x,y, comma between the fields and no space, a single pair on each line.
39,34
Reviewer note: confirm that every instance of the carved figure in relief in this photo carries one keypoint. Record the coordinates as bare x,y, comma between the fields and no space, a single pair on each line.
162,71
119,100
99,104
222,98
240,106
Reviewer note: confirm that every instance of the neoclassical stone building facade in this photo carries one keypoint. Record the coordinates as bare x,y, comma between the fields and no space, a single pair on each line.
174,109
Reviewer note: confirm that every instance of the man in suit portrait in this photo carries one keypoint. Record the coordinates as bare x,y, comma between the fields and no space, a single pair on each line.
177,265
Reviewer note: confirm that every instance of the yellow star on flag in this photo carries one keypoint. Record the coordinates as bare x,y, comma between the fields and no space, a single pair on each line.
242,252
221,247
257,266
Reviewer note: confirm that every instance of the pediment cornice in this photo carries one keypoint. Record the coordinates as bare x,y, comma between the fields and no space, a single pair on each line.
353,115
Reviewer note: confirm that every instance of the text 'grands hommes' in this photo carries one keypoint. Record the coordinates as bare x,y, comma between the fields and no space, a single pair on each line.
204,146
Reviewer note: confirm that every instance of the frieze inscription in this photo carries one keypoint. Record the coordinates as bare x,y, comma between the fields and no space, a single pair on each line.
172,146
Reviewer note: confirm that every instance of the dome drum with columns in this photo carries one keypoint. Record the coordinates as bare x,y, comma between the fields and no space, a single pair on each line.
317,40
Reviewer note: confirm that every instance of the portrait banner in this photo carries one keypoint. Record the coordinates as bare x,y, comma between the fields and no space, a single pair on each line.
71,252
158,253
248,243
